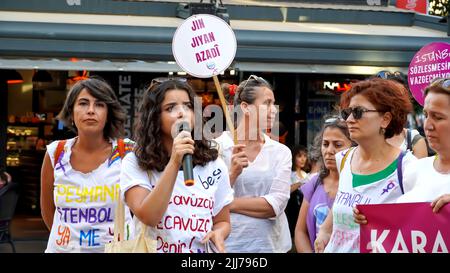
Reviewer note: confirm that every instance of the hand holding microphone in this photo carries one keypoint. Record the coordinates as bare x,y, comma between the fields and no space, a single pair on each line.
183,148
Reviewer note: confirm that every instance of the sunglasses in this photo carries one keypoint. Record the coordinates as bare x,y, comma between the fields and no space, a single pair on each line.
442,82
357,112
253,78
389,75
333,120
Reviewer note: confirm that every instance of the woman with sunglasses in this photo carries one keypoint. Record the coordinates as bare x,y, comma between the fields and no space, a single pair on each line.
260,170
371,173
183,217
80,176
319,192
431,175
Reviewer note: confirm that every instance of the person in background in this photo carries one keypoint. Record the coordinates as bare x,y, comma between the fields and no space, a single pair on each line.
410,140
430,176
299,175
185,218
374,110
80,176
260,170
5,178
278,132
319,192
315,155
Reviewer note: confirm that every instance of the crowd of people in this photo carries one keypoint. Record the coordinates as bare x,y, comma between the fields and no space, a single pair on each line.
250,192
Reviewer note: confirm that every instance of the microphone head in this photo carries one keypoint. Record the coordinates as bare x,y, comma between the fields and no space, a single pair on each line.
183,126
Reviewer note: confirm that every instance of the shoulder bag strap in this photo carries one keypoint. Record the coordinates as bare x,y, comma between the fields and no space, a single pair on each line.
400,170
119,219
121,147
59,150
344,159
408,140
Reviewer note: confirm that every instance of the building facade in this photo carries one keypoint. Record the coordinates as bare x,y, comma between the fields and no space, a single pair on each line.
309,52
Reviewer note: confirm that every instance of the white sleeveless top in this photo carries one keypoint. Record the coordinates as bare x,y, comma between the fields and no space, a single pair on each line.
85,202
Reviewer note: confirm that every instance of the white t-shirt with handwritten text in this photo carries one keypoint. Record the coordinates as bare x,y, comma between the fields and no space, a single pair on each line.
85,202
189,216
383,189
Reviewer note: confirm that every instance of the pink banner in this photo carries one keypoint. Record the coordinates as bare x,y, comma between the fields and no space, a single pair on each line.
406,228
431,61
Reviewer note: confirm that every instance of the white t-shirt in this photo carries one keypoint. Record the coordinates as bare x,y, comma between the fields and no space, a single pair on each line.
268,176
189,216
85,202
428,183
296,179
381,187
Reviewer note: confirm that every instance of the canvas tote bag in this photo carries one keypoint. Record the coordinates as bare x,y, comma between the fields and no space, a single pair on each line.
140,244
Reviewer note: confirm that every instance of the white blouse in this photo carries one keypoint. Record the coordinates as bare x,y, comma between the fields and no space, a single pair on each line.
268,176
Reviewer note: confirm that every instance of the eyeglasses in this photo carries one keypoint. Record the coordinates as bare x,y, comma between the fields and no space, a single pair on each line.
357,112
164,79
442,82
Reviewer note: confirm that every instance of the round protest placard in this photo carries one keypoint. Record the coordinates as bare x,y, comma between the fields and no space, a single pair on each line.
204,45
431,61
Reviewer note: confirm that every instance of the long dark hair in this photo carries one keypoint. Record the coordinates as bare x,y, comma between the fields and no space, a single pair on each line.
99,89
149,149
298,150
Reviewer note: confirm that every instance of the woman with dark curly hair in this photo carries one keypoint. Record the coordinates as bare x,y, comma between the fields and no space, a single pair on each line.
80,176
186,217
372,172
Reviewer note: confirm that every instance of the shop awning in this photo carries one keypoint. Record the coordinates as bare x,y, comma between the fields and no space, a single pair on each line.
143,43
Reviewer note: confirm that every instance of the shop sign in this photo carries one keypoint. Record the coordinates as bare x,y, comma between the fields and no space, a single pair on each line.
431,61
420,6
204,45
336,86
349,2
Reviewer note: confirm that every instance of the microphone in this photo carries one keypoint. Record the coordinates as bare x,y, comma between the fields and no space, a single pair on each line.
188,169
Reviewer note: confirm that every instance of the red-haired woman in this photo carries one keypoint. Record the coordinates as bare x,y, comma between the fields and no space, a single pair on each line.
371,173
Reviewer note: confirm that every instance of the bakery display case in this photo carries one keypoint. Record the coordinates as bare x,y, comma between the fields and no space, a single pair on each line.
25,150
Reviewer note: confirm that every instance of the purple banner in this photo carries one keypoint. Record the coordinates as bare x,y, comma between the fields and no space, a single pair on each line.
406,228
431,61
